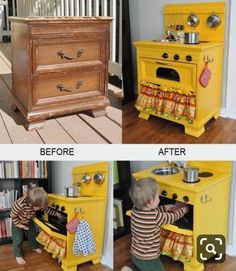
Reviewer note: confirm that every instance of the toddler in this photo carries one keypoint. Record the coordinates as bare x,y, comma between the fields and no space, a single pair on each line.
22,214
146,221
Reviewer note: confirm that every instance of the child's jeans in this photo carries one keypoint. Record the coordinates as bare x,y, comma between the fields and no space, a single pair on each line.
18,237
148,265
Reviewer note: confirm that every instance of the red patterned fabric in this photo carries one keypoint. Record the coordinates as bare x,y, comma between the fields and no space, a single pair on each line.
205,76
73,225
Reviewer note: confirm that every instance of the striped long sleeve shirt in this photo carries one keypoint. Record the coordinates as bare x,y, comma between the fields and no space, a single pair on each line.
22,212
146,230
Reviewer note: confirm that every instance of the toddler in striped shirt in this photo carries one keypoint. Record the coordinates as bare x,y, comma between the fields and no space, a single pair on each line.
22,214
146,221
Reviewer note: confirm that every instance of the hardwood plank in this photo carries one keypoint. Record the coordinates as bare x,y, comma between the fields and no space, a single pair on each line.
5,69
53,133
104,126
5,48
80,131
5,64
122,257
38,262
4,136
114,114
157,130
14,121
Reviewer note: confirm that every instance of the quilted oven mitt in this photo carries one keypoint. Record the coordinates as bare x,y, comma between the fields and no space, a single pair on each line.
205,76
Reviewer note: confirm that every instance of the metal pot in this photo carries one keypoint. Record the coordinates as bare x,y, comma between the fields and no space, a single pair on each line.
191,37
72,191
191,174
193,20
213,21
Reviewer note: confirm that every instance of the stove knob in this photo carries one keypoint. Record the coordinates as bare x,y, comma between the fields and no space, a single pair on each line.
174,196
164,193
57,206
176,57
62,208
189,58
186,199
165,55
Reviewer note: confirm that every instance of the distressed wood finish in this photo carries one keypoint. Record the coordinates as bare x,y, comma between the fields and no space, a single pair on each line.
59,67
70,127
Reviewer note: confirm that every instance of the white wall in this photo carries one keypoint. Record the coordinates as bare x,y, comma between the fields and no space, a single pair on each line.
147,23
61,177
231,82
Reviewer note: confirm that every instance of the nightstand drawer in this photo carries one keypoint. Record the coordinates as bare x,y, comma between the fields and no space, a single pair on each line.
62,54
64,87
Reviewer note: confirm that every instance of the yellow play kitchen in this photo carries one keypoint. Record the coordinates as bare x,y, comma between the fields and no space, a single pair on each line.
204,186
180,76
77,236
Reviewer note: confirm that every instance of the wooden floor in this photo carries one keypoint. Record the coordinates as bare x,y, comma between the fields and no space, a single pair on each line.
157,130
38,262
77,128
122,257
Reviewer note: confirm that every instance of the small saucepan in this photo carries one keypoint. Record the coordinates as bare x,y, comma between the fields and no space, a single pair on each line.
72,191
191,174
191,37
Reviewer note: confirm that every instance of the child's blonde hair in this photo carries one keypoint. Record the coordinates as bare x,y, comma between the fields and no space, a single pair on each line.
37,197
143,191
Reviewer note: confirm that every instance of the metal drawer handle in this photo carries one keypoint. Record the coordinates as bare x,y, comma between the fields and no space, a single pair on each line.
62,88
62,55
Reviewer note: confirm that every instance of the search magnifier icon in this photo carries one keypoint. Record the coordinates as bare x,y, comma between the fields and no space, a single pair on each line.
210,248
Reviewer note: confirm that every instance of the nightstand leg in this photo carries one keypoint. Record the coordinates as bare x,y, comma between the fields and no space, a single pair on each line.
69,268
144,115
14,107
98,112
95,261
194,132
34,125
194,266
217,114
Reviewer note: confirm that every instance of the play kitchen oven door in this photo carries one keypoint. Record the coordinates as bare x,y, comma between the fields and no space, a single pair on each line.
171,74
52,225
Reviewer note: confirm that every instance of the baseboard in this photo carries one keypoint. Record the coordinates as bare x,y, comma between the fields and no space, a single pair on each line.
227,113
231,250
108,261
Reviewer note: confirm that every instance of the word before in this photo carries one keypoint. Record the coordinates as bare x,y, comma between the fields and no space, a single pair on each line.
57,151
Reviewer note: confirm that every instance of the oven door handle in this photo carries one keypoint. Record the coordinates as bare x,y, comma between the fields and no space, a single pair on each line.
165,64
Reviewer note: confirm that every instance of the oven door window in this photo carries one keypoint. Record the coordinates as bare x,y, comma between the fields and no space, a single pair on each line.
169,73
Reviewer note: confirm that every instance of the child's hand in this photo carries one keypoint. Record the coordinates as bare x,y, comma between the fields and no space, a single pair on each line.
24,227
59,215
180,205
186,209
169,207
